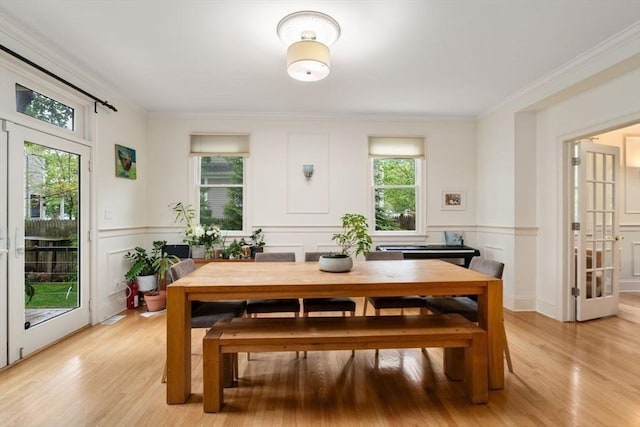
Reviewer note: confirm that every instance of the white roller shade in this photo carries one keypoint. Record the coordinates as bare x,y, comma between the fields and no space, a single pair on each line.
220,145
396,146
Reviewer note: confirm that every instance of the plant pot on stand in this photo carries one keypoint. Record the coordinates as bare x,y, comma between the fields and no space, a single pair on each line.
146,283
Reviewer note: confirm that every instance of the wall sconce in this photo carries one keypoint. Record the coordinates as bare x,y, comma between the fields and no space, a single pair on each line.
307,170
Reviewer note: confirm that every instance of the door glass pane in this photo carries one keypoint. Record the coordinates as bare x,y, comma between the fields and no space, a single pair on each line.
609,168
599,196
44,108
51,207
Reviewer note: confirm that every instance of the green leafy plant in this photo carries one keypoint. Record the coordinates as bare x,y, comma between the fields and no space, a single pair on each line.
257,238
195,234
142,263
185,214
355,238
234,250
145,263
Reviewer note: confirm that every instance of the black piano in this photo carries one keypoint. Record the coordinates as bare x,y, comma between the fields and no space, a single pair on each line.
433,251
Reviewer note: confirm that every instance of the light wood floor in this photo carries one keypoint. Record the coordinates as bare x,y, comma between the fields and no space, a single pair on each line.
108,375
629,306
630,298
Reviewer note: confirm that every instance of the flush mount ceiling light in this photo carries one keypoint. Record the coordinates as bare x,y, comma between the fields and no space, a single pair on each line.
308,35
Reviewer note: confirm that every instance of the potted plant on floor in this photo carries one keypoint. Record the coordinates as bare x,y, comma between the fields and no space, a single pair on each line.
156,264
141,269
354,240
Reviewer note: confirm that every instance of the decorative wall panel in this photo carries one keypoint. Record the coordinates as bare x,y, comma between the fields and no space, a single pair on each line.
307,194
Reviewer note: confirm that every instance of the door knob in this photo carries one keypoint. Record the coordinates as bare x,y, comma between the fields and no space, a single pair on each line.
619,238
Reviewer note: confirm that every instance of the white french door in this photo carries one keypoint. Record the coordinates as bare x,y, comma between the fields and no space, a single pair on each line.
4,337
46,194
596,230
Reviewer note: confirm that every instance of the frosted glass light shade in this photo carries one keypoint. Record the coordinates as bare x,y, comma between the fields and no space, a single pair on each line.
308,61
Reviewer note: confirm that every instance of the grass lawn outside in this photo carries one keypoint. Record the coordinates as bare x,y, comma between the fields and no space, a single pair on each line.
54,295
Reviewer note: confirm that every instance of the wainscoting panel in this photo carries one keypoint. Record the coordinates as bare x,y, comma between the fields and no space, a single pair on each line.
635,259
117,266
493,252
308,194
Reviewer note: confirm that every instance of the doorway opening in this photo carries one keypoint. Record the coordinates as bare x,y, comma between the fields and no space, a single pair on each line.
627,140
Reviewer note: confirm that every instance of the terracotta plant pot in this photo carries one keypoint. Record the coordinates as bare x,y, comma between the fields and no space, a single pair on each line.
155,302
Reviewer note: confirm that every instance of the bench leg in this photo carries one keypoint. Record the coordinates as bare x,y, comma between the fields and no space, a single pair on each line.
213,396
229,368
453,363
476,369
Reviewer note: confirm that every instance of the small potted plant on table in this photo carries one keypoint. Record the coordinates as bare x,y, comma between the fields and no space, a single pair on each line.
354,240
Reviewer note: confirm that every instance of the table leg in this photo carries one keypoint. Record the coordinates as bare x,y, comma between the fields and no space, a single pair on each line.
178,346
490,318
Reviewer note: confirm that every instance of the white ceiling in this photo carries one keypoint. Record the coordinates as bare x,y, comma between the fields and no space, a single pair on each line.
394,57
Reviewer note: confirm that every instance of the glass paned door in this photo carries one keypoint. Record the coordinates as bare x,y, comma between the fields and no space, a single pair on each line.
4,242
47,261
596,248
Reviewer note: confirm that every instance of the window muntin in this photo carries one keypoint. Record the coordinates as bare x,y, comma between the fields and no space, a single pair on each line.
221,191
43,108
395,188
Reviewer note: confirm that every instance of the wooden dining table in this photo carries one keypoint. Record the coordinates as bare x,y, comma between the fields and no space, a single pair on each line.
224,281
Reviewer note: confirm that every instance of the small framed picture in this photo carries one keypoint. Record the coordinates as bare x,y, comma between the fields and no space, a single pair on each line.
125,162
453,238
453,201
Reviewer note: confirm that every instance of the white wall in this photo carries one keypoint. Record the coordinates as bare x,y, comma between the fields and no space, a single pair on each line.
450,165
509,162
589,96
121,204
122,200
609,105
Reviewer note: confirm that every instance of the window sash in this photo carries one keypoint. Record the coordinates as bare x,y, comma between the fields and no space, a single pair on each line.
197,164
418,208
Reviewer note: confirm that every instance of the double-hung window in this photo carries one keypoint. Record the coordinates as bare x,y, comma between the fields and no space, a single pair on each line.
396,171
219,163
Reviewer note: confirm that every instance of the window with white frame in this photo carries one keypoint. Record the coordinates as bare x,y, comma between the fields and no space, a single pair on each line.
220,179
396,164
43,108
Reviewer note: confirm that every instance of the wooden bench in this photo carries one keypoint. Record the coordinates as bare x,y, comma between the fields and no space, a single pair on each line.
465,344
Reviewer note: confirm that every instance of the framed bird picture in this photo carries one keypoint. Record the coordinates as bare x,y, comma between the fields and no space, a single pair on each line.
125,162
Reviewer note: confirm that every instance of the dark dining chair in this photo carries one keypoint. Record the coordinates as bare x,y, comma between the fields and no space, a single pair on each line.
381,303
324,305
284,305
204,313
467,306
281,305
